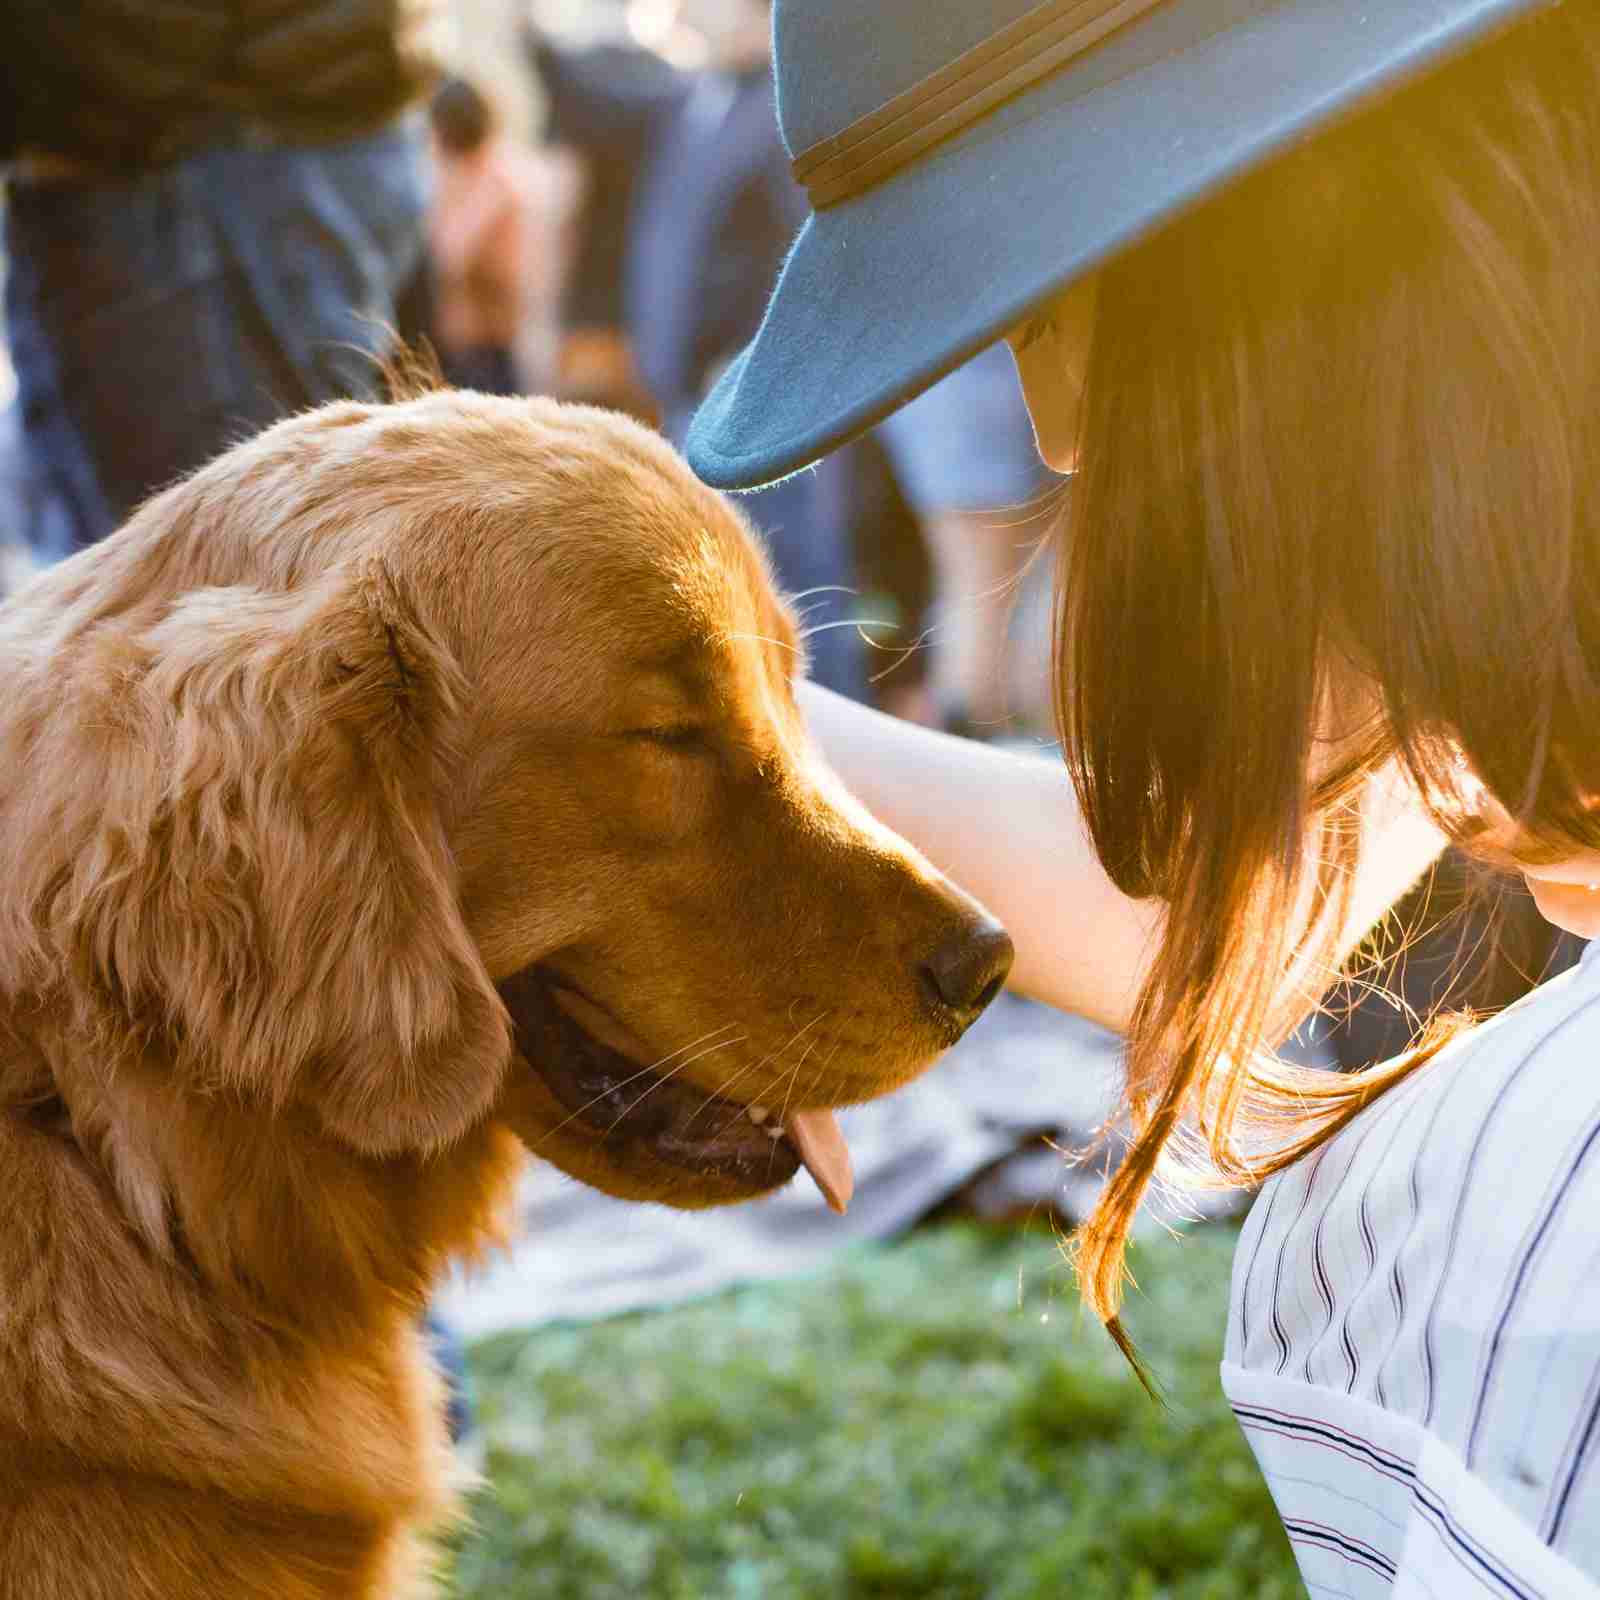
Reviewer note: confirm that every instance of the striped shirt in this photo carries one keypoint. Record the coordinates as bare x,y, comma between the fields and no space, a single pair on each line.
1413,1345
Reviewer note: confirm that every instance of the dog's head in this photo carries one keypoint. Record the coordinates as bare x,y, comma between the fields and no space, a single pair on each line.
414,764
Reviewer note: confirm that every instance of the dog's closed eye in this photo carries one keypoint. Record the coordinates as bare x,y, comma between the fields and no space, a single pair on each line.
686,739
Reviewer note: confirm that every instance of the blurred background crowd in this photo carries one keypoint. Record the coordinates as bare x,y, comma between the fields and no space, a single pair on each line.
582,198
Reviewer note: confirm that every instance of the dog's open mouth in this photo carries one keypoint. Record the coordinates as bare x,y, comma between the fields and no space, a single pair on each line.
624,1101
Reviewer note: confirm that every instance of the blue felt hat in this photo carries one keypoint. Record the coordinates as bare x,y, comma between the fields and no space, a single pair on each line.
967,158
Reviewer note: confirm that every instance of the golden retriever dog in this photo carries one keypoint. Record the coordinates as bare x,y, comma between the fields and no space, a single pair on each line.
412,785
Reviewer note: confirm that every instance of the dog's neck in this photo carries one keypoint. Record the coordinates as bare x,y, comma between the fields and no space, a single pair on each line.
274,1214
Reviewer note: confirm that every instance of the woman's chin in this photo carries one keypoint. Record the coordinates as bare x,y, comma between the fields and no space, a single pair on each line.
1574,907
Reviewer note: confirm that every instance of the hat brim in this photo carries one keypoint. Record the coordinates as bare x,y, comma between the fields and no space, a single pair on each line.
884,294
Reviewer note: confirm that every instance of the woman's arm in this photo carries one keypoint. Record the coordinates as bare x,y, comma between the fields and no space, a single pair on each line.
1007,829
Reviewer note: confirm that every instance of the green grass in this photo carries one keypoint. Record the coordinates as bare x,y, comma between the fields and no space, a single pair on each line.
928,1421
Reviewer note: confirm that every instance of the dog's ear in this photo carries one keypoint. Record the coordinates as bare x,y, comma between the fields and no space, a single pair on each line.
268,880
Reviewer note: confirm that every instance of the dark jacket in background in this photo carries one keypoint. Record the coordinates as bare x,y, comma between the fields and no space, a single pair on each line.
715,212
125,85
610,103
217,209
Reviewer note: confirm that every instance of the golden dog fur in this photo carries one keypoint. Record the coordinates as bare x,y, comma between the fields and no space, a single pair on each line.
373,713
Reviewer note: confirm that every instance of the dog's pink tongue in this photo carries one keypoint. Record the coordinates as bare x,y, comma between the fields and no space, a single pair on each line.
816,1136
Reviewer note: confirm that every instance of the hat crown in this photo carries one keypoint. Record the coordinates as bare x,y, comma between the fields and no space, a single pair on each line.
838,60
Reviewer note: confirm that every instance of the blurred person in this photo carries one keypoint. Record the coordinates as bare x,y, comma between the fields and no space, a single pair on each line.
22,506
606,103
713,213
21,509
964,456
1305,294
15,556
212,207
498,243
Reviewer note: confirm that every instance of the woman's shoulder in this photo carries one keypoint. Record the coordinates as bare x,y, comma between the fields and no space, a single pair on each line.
1462,1201
1524,1070
1420,1290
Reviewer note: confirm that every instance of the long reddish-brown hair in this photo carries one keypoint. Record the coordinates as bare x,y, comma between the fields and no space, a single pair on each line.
1338,507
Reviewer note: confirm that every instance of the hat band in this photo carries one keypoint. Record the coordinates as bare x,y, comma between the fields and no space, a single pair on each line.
978,81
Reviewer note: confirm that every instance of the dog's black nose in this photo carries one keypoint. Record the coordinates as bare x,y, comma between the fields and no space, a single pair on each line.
968,966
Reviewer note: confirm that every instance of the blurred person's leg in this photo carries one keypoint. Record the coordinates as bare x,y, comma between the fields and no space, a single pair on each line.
806,523
17,516
158,319
977,559
896,578
56,495
965,458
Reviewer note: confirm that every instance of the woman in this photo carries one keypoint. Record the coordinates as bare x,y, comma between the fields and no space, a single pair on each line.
1305,292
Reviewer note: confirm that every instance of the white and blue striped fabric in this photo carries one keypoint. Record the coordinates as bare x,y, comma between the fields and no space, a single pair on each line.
1414,1342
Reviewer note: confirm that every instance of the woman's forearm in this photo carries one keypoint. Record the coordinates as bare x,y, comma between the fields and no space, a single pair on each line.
1008,830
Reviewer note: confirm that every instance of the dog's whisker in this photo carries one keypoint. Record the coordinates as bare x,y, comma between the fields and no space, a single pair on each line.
823,588
655,1066
860,624
794,1078
793,1039
794,1074
669,1076
771,1055
815,1079
744,1072
738,1112
758,638
822,1068
738,1078
902,654
796,1037
666,1077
